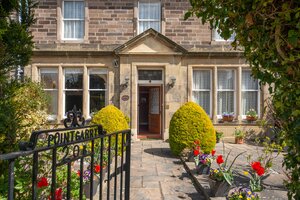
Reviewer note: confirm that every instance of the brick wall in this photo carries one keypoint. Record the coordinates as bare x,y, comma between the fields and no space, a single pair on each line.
111,23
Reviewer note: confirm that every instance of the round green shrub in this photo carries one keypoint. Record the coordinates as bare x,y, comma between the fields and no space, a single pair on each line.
111,118
189,123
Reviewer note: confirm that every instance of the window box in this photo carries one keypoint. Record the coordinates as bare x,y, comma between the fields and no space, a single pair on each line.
251,118
227,118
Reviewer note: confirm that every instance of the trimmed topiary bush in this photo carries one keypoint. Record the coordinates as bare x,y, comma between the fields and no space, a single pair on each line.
111,118
189,123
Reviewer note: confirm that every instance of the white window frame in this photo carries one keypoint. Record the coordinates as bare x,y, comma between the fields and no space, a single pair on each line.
72,19
64,89
53,116
228,90
148,20
258,96
96,71
217,37
204,90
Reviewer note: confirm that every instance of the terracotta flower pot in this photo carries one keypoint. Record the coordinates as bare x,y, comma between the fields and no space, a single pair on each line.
218,188
227,118
239,140
251,118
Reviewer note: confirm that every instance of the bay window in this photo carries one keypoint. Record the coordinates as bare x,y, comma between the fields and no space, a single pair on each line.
49,79
202,89
97,89
226,91
149,16
73,89
250,92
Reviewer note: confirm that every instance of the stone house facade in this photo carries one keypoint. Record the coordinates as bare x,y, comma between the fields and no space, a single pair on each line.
143,57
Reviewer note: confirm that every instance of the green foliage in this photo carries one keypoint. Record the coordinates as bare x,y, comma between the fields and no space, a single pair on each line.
111,119
15,38
188,124
269,34
219,135
238,133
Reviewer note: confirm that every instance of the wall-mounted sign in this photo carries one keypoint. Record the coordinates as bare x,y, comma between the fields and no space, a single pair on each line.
125,98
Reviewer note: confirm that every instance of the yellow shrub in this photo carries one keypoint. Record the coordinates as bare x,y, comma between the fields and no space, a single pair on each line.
189,123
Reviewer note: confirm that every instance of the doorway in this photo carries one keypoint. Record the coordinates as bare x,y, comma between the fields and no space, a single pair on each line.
149,112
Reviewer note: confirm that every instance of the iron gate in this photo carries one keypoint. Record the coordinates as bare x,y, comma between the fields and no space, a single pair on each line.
86,151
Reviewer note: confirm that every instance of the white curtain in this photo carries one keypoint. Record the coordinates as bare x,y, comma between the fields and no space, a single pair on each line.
225,91
201,87
149,16
217,37
73,19
249,92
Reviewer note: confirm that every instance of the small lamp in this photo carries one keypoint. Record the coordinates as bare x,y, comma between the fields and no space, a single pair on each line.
126,81
173,81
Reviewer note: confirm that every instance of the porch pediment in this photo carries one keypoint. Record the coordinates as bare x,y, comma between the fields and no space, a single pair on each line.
150,42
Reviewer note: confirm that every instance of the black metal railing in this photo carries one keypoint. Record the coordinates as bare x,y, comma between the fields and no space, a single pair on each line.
89,148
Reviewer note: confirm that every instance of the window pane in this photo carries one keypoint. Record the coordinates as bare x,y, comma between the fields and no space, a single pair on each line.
49,78
73,98
97,81
217,37
226,79
73,10
52,107
78,29
78,10
201,79
150,74
73,79
203,99
225,102
149,11
69,29
249,101
69,9
97,100
248,82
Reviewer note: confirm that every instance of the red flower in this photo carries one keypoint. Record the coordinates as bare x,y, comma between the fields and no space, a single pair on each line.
43,182
97,168
78,173
260,171
255,165
58,194
196,152
197,142
213,152
220,159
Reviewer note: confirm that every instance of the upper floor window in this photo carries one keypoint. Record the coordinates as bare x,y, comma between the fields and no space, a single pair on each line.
149,16
73,19
226,91
217,37
202,89
250,92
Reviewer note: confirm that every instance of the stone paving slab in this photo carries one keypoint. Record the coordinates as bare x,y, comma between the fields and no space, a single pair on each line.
157,175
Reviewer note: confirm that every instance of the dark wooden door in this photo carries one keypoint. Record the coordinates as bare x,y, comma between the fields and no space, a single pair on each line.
155,109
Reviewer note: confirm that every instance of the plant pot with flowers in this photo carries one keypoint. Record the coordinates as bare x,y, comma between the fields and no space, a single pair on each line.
242,194
251,115
202,160
227,116
221,179
239,136
219,136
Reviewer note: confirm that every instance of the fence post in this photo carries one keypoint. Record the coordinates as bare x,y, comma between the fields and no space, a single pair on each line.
11,179
127,175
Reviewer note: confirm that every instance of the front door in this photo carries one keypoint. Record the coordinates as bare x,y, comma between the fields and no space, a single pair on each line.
150,111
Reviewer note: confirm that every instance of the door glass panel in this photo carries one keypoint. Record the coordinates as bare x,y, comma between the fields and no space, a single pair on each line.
154,99
150,75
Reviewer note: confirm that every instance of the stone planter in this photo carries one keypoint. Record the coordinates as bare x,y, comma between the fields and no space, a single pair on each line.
203,169
218,188
86,187
239,140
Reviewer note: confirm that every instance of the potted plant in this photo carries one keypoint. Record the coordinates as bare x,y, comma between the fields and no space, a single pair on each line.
251,115
219,135
239,136
221,179
202,160
227,116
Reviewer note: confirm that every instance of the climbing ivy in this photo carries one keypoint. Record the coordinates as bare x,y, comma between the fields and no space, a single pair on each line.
268,31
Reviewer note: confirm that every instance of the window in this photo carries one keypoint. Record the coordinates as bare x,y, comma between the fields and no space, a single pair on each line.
226,91
149,16
150,75
73,91
73,19
97,89
202,89
250,92
217,37
49,79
